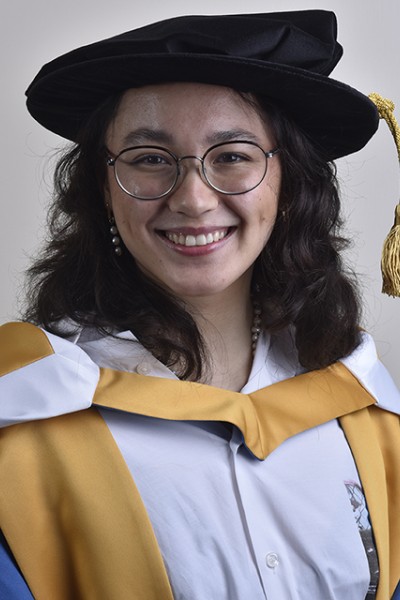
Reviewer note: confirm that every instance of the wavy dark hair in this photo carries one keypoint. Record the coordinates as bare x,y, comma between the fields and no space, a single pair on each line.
298,279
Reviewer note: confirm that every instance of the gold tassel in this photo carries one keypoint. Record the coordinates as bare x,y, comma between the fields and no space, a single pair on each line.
390,262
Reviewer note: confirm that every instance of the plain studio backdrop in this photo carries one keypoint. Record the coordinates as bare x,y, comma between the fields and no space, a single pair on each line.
32,33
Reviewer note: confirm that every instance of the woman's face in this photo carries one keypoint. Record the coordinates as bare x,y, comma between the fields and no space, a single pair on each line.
228,231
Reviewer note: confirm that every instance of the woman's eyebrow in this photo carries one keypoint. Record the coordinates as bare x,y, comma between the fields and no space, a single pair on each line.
145,135
232,135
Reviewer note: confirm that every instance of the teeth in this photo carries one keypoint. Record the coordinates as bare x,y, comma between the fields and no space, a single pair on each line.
209,238
196,240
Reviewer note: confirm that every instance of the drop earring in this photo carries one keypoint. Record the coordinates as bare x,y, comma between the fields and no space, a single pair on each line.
115,239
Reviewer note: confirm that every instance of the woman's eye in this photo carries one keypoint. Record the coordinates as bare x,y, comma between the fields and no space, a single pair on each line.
230,158
151,160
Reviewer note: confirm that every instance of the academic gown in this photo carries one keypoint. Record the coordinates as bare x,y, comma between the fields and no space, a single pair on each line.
53,463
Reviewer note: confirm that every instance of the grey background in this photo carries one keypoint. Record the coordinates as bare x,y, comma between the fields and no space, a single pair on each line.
32,33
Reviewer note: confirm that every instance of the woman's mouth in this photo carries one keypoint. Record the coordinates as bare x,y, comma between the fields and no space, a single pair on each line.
202,239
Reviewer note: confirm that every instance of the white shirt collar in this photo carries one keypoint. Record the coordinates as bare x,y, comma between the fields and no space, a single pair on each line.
66,380
364,363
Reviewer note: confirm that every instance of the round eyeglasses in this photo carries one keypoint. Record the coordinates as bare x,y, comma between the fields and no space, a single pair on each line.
152,172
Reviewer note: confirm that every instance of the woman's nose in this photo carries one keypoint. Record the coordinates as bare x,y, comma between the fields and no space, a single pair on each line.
192,194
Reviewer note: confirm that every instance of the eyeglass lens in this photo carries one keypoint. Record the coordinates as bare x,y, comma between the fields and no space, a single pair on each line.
150,172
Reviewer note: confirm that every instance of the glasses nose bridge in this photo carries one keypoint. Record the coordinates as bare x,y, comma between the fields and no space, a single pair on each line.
192,156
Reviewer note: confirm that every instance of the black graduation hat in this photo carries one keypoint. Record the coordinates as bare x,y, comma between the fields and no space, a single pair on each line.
285,56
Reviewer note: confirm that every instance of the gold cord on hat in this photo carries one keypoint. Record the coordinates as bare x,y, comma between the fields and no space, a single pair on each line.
390,262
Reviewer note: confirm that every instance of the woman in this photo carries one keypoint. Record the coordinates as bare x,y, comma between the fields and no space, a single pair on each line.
199,415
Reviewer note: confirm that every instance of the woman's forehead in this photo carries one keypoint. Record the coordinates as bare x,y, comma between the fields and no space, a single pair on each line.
165,96
160,110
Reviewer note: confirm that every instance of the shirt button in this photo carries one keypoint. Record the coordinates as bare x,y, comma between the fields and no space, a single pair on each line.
143,368
272,560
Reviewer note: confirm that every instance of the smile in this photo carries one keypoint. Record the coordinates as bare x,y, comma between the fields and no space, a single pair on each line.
203,239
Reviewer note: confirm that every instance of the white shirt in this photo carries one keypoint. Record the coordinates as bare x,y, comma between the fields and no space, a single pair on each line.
229,526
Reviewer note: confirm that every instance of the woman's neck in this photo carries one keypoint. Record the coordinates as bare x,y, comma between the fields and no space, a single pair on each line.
225,324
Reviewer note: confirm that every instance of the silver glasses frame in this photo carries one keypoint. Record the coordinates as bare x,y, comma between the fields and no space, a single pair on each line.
112,160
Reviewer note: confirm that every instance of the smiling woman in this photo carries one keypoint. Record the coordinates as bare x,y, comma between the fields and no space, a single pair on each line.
220,270
214,423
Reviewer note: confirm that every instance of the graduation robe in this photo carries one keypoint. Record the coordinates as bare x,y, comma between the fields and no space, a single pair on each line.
63,479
